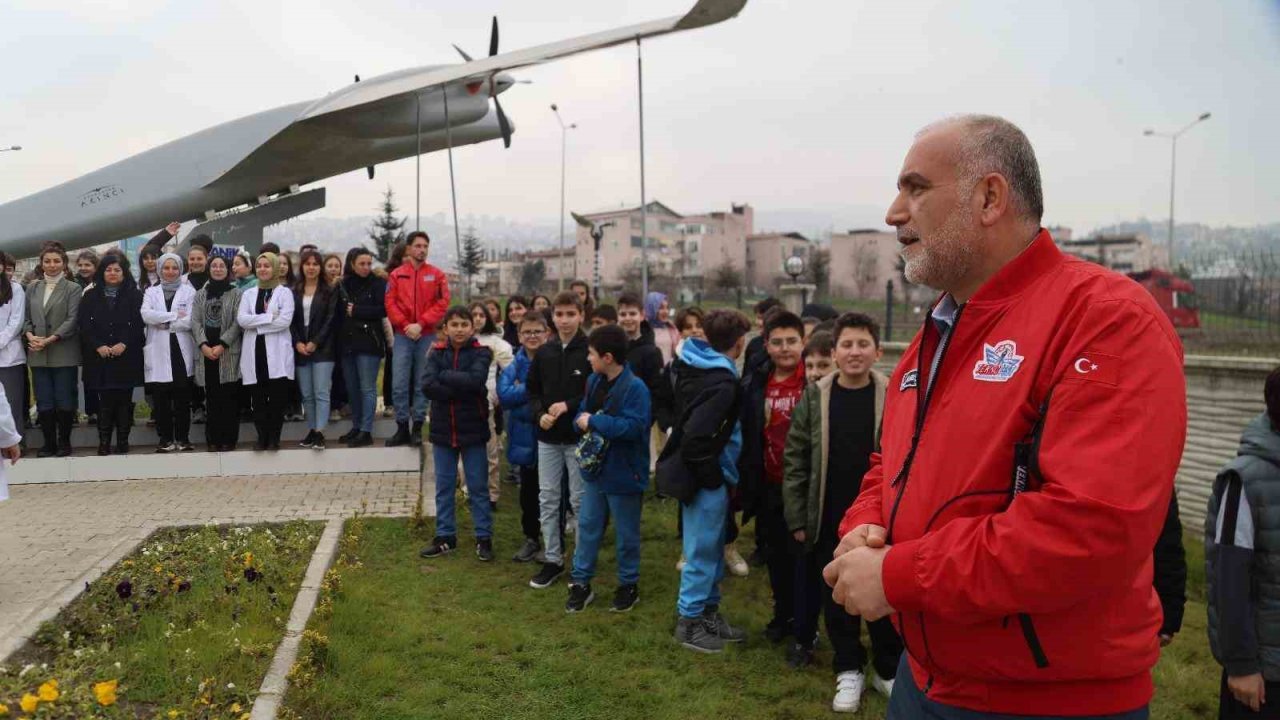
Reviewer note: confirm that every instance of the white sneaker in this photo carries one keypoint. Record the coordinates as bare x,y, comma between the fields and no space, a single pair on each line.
737,566
848,692
882,686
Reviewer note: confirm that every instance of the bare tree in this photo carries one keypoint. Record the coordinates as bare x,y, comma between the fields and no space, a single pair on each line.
866,270
727,277
532,276
819,270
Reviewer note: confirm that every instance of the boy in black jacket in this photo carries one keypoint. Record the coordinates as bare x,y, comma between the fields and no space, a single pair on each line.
557,382
702,452
455,380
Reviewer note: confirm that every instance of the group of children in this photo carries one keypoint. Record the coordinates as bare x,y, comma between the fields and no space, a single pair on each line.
782,431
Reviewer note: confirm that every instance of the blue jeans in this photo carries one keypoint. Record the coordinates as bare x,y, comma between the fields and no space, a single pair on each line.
55,387
475,466
554,461
315,379
361,375
704,528
596,506
909,703
409,366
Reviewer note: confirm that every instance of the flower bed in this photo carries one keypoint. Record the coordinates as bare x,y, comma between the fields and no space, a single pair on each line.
185,627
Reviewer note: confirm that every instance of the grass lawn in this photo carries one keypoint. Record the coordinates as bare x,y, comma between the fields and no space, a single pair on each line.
184,627
456,638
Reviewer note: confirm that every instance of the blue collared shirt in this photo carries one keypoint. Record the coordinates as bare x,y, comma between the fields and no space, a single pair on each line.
944,319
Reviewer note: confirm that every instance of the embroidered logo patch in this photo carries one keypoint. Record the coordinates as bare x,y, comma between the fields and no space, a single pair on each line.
910,379
999,362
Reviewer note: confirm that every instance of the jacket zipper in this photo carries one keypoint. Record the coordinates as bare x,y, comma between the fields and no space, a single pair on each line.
453,418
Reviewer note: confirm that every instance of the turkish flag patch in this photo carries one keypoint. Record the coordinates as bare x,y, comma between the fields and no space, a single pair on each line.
1091,366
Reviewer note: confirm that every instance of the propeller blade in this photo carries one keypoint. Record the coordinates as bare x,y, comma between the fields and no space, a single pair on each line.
357,78
463,53
503,123
370,169
493,38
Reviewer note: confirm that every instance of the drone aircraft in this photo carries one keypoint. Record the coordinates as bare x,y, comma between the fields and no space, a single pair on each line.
243,175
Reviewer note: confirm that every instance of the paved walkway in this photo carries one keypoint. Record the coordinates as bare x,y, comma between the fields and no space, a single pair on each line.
54,535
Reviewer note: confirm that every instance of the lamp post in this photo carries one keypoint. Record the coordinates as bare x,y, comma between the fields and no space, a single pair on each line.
1173,169
13,148
794,266
564,142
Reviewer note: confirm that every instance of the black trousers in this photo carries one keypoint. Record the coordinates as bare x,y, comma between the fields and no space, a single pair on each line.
222,412
813,597
115,412
771,523
173,409
269,400
530,524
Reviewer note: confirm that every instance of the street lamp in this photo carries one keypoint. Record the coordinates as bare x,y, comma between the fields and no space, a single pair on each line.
794,266
13,148
1173,166
564,140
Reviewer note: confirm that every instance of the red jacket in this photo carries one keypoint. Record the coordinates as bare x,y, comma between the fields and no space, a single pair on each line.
417,296
1041,604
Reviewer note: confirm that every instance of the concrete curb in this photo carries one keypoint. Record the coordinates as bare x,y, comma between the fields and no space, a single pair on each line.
28,626
276,682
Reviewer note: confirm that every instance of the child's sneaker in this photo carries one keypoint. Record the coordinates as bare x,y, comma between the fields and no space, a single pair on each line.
528,551
484,549
737,566
777,630
721,627
882,686
848,692
440,546
799,655
546,576
696,635
625,598
580,596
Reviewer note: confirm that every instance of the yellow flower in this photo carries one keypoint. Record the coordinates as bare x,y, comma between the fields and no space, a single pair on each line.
29,702
248,560
173,714
235,707
4,709
105,692
49,691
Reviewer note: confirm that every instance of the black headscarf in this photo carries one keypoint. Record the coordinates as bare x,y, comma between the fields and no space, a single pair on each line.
215,288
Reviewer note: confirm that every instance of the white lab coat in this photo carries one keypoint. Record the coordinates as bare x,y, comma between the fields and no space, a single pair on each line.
161,323
273,326
12,316
8,438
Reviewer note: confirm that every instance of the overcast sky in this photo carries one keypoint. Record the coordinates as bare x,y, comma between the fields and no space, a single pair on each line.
794,105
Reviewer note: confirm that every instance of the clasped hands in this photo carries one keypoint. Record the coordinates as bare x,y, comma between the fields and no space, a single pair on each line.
552,414
109,351
855,573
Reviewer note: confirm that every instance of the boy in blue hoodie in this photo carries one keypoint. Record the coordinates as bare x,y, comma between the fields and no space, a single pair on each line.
703,451
615,468
522,440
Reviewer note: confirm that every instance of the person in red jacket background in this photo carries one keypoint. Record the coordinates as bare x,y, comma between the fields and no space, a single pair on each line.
1030,440
417,299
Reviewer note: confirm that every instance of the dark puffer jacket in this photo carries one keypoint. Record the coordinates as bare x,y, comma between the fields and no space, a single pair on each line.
455,381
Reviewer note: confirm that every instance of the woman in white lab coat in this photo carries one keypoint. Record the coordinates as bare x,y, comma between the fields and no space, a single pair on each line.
170,352
266,356
9,439
13,358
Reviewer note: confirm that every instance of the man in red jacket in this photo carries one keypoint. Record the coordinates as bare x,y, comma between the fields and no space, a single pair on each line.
1030,440
417,298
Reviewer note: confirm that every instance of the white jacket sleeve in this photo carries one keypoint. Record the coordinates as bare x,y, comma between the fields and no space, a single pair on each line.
280,319
8,428
153,315
17,314
182,323
247,318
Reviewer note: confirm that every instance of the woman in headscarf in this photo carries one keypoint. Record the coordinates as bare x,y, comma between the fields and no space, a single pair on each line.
217,333
665,334
52,303
266,359
170,354
362,305
242,270
112,336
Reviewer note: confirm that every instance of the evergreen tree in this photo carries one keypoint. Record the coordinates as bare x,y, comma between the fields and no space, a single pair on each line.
472,258
387,230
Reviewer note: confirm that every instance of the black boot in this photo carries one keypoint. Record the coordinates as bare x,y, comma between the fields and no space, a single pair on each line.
106,422
362,439
401,437
66,420
415,437
49,424
124,424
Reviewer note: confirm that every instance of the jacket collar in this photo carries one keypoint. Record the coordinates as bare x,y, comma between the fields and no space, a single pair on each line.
1038,259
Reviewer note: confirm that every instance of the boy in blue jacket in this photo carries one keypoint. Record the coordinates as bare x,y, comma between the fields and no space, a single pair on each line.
615,468
455,381
522,440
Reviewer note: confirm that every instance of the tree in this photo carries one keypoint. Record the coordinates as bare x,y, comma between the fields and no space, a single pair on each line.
906,284
866,270
727,277
659,280
387,230
820,270
532,275
472,258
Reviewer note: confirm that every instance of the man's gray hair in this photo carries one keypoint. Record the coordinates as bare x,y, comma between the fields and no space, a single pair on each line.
992,144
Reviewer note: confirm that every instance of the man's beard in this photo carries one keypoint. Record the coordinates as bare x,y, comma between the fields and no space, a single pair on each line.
946,257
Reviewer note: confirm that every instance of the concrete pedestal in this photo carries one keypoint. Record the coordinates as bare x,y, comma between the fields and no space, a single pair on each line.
794,296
